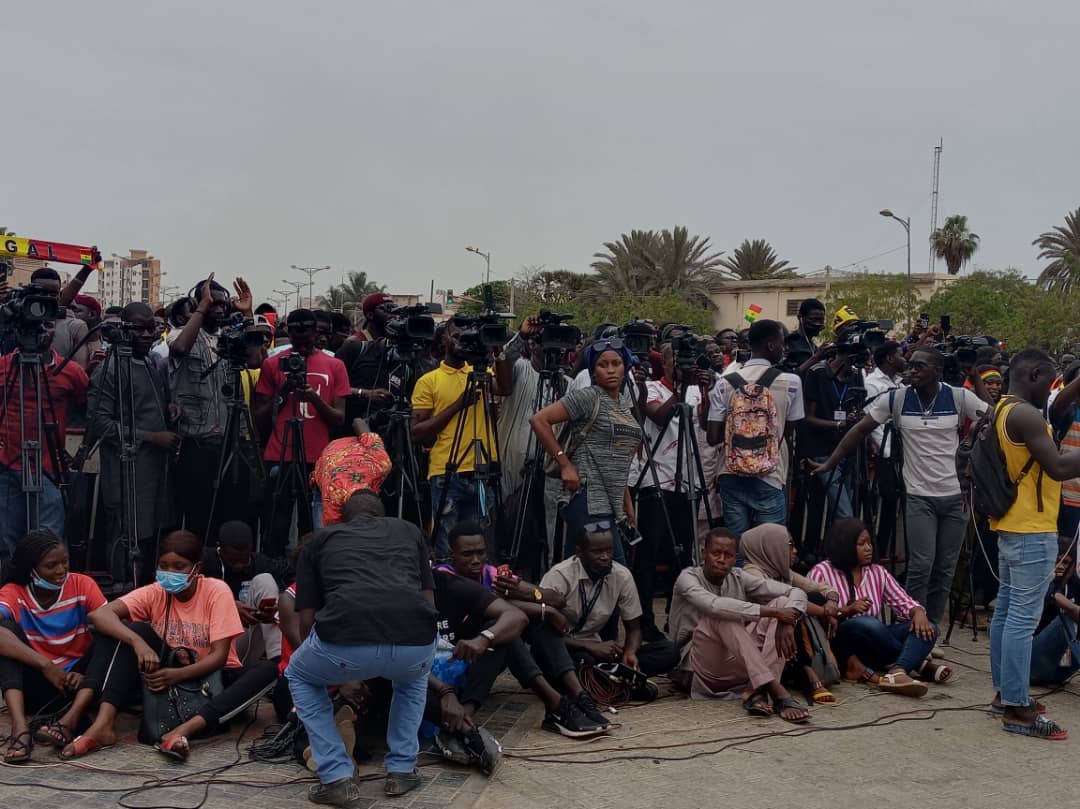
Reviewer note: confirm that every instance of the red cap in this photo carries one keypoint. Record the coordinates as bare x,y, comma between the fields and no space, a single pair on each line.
375,299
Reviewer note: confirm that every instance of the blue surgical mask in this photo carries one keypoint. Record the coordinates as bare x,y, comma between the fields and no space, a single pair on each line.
42,584
173,582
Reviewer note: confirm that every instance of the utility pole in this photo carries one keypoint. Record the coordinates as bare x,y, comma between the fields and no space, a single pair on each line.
311,272
296,285
487,260
934,198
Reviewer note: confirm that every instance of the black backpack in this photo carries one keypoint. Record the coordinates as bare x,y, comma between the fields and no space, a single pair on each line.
983,473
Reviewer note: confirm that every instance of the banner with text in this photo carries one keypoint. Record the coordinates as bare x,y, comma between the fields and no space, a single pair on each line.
50,251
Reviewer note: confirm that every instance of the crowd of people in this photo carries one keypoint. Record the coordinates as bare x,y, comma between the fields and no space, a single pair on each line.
296,509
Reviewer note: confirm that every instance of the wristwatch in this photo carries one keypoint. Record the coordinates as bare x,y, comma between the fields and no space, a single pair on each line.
487,633
538,595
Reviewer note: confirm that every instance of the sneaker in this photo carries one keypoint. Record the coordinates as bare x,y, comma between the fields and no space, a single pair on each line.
336,793
571,721
398,783
591,710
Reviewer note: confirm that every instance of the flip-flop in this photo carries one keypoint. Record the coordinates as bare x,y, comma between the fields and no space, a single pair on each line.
82,746
1042,728
757,705
999,710
18,751
176,748
54,734
822,696
781,705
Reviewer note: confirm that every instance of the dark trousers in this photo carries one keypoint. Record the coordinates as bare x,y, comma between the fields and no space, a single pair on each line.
113,664
555,659
879,646
281,496
195,472
37,692
657,544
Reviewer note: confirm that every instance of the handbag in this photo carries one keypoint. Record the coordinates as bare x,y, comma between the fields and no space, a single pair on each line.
171,707
574,437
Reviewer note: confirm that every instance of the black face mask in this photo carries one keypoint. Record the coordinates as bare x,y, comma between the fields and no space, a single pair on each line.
813,329
597,572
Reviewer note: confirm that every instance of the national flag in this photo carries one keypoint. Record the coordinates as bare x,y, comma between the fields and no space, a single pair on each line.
752,312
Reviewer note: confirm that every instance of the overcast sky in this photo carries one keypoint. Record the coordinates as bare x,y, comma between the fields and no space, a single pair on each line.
243,136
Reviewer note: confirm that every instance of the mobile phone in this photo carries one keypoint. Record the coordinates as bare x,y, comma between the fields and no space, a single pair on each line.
924,320
506,572
268,605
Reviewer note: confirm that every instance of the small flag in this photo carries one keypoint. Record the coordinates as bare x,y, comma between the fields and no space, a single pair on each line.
752,312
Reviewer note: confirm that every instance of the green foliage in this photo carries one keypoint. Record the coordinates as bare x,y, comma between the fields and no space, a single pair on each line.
348,297
954,243
875,297
1062,247
471,301
755,261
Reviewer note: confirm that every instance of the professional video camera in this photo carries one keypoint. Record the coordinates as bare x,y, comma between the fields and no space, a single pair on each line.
637,336
235,339
960,352
688,348
22,317
294,366
117,333
480,336
858,338
555,334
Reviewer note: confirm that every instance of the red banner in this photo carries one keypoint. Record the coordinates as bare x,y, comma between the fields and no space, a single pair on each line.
51,251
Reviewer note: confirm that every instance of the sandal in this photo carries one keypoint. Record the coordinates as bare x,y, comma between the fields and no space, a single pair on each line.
176,748
896,682
81,746
788,704
1041,728
934,672
757,705
822,695
1034,704
19,748
54,734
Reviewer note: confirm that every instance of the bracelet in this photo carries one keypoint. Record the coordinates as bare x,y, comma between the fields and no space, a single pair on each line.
560,454
543,610
446,690
360,392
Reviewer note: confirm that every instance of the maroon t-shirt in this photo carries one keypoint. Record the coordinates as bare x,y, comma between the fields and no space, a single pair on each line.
327,376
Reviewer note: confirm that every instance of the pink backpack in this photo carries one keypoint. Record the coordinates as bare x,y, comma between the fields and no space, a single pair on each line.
752,431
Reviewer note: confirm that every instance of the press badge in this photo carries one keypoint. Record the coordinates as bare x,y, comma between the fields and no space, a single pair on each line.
839,415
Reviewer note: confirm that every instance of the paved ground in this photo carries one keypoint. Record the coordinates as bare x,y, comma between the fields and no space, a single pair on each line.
871,750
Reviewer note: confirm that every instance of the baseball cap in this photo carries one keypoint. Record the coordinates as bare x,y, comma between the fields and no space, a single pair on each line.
845,314
375,299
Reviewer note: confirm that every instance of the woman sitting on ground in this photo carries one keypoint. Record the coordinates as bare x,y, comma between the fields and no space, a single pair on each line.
45,641
769,553
865,647
182,610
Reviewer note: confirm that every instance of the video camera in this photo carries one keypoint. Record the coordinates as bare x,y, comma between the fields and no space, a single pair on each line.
555,334
408,331
637,336
481,335
858,338
235,340
960,353
23,315
294,366
688,348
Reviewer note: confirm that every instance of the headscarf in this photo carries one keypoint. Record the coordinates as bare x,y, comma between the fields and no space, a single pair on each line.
766,547
594,349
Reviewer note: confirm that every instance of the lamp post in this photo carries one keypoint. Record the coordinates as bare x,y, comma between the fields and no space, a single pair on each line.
282,298
907,228
296,285
487,260
311,272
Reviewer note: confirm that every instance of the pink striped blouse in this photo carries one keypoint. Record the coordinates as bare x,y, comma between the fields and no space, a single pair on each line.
877,584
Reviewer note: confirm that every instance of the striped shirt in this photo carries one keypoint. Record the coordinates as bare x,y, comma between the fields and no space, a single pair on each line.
1070,489
877,584
59,632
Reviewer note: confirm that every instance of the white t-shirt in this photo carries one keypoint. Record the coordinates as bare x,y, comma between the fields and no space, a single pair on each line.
665,457
929,432
787,393
877,383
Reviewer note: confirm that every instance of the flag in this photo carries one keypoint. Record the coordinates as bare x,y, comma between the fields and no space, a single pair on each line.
50,251
752,312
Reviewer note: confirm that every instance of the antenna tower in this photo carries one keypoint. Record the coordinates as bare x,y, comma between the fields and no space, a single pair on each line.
934,197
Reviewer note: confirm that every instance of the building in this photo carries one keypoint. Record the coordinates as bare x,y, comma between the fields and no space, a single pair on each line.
779,299
135,277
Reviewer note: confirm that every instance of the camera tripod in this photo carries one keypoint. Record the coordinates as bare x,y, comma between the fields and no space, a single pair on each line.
292,477
403,483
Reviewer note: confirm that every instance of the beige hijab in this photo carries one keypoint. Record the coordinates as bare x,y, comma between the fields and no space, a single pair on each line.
766,548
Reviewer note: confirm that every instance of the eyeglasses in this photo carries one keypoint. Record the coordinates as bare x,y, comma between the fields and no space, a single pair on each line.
597,527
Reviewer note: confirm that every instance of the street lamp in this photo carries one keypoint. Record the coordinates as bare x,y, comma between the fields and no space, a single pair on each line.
297,285
907,227
311,271
487,259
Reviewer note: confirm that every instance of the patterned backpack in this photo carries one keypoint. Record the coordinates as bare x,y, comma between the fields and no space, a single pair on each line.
752,432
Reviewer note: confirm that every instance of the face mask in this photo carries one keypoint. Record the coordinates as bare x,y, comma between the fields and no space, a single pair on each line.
597,572
813,330
41,584
173,582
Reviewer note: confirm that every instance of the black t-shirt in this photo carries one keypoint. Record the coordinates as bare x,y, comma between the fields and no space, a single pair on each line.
461,603
820,387
1050,609
260,563
364,579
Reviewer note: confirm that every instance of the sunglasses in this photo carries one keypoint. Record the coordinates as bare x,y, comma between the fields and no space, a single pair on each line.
597,527
613,343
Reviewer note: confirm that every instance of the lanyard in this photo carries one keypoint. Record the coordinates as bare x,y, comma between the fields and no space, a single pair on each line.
840,392
587,604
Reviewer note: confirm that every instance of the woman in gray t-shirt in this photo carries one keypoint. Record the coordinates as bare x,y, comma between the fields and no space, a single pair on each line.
596,473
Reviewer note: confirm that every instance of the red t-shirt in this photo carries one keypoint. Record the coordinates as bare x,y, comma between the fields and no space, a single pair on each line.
59,632
65,388
327,377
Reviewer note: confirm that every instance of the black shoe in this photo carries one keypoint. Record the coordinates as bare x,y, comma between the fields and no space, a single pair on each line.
398,783
651,634
478,751
336,793
571,721
589,707
645,693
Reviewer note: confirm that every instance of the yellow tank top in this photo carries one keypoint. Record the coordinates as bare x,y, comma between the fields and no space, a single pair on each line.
1024,517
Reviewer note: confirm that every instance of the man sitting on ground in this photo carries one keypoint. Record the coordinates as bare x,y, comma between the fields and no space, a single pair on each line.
733,629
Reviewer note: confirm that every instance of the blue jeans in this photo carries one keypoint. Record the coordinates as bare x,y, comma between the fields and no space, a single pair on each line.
749,502
466,499
575,516
879,646
1026,563
1047,649
934,535
839,492
318,665
13,514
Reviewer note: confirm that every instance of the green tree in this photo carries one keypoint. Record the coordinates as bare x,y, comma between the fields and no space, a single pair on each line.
348,295
652,263
1061,246
954,243
472,299
551,289
756,261
876,297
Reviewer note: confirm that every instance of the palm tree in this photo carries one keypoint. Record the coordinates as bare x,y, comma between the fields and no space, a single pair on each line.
350,294
629,264
649,263
1062,246
686,266
954,243
756,261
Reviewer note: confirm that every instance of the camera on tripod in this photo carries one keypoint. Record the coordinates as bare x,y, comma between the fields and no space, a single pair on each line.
23,315
688,348
556,334
960,353
637,336
859,338
235,340
481,335
294,366
409,329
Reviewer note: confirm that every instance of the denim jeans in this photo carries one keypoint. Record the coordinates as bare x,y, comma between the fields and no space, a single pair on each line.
575,516
749,502
934,536
1048,648
318,665
838,490
1026,563
13,511
466,499
879,646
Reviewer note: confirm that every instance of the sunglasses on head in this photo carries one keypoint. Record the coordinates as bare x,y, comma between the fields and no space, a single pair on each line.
597,527
614,343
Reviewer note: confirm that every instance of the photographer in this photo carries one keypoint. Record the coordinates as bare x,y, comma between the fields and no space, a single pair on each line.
304,383
198,375
803,353
60,389
129,399
366,361
439,406
69,331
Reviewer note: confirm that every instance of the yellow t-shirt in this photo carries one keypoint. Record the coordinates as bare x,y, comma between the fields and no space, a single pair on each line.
249,378
1024,517
438,390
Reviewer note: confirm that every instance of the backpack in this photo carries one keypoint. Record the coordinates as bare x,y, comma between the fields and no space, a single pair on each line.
984,476
752,431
